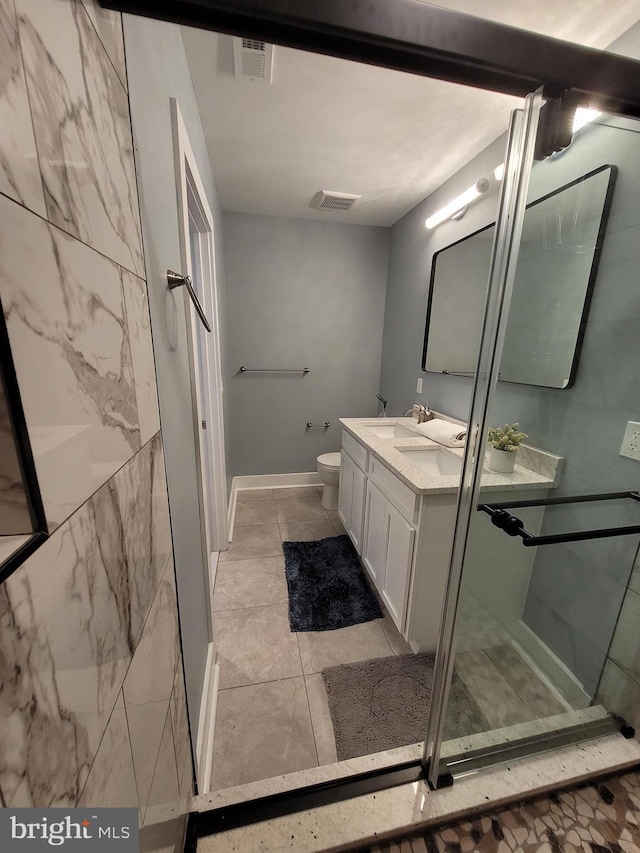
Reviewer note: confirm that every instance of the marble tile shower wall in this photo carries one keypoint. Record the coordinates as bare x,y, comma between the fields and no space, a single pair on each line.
92,704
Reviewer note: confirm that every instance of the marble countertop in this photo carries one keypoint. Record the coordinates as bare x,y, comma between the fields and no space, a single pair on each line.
541,471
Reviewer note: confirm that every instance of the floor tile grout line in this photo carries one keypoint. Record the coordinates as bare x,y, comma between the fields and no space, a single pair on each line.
257,683
306,693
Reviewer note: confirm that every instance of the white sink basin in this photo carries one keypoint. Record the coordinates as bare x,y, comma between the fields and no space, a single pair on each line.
391,431
436,462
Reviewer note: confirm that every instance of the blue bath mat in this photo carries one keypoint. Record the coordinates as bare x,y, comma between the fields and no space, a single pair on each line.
327,586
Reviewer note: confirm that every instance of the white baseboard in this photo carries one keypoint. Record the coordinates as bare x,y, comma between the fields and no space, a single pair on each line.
275,481
207,722
267,481
566,684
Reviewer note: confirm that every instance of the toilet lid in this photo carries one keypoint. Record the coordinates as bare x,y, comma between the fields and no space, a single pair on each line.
329,460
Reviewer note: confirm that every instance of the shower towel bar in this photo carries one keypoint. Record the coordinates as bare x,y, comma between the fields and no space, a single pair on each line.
325,425
244,369
176,279
514,526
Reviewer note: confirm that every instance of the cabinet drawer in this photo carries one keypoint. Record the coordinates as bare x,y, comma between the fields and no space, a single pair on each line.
355,450
395,490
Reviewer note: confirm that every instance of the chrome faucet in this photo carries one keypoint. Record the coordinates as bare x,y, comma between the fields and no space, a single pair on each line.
421,410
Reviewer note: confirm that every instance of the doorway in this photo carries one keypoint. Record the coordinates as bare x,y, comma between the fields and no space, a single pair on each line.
203,346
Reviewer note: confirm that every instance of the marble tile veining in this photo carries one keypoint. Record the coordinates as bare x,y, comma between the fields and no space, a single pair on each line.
19,172
144,372
71,657
81,122
112,780
164,794
71,349
181,736
70,619
143,509
149,683
108,25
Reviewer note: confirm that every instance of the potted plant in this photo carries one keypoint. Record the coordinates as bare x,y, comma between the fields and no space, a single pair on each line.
504,443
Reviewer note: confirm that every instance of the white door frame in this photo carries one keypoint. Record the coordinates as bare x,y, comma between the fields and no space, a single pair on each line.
208,406
196,230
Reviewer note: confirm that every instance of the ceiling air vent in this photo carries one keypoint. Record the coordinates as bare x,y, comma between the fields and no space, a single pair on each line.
330,200
252,59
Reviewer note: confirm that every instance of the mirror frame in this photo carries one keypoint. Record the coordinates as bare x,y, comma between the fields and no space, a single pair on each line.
593,272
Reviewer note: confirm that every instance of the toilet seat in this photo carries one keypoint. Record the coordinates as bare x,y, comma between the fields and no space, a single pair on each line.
329,460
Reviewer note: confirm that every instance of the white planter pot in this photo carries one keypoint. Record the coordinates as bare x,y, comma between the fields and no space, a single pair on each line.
502,461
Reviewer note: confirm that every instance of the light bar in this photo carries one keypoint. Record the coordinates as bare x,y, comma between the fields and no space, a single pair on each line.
458,203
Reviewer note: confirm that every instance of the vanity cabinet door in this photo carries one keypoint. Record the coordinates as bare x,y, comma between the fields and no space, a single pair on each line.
374,551
351,499
398,564
388,552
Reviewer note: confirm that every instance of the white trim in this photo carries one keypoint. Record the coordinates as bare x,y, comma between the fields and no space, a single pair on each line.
189,183
207,721
275,481
534,651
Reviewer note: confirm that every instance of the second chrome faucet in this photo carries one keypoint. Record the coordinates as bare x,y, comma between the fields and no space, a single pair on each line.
421,410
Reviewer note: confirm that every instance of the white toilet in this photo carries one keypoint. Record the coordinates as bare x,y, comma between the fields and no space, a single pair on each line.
329,471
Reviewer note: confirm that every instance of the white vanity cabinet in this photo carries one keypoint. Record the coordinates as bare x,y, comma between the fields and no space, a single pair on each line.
388,551
402,537
353,482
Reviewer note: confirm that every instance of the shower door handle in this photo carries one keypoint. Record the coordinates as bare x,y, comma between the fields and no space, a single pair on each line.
514,526
175,279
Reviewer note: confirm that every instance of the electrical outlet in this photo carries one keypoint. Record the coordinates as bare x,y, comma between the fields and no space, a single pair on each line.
419,386
631,442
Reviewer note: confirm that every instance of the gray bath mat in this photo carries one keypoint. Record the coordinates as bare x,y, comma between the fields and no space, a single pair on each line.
384,703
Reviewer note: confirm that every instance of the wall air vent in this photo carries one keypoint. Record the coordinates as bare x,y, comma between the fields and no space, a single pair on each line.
252,59
330,200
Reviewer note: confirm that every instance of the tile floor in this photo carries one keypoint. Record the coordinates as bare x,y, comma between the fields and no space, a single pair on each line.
272,715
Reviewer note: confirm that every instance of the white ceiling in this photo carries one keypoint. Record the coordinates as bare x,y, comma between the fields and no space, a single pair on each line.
329,124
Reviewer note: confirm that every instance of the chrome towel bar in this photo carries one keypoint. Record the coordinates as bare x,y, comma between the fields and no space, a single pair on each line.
244,369
325,425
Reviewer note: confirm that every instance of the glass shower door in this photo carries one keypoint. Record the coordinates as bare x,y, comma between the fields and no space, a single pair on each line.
540,631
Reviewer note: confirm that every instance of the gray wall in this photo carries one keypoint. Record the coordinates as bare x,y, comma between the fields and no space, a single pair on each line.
576,591
158,70
410,254
299,293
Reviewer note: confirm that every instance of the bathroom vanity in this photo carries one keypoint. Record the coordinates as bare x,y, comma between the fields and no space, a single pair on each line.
397,502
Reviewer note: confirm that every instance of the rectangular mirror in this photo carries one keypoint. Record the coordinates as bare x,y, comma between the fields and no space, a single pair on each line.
557,265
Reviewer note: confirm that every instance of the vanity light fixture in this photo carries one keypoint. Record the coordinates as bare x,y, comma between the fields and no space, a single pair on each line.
457,205
584,116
